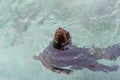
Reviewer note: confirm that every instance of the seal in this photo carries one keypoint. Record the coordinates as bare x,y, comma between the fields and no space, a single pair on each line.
62,56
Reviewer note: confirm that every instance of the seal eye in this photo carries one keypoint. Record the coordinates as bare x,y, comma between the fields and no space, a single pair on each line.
61,38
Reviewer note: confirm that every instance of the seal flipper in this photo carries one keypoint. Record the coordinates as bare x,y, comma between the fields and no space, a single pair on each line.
94,66
109,53
60,70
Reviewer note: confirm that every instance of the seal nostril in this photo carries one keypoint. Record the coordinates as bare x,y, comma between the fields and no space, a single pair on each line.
67,48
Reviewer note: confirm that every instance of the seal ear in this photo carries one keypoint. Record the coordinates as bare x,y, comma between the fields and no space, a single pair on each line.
68,35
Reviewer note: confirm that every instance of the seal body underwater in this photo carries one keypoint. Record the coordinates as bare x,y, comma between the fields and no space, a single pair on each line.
62,57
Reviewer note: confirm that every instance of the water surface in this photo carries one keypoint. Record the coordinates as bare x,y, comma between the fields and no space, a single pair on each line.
28,26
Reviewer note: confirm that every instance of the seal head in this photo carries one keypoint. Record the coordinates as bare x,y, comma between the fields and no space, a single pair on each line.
61,38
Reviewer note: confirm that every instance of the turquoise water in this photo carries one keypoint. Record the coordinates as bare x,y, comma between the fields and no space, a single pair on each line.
28,26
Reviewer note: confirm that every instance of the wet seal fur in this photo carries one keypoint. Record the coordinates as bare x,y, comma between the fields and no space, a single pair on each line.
62,57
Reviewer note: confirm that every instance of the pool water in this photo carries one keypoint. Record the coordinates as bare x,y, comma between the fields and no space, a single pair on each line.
28,26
